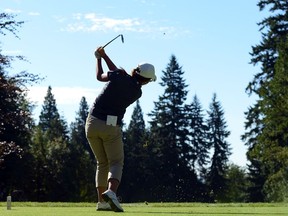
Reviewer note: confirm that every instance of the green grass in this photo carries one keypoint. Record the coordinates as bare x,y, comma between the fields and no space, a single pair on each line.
141,209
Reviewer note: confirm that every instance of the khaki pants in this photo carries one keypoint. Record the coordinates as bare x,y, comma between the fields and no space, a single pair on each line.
107,146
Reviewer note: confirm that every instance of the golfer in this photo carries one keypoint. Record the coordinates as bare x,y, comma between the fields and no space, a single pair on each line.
103,129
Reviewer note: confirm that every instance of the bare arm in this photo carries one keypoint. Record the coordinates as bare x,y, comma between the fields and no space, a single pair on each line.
101,76
109,63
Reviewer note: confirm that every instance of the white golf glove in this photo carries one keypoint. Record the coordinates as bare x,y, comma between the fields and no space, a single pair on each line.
97,54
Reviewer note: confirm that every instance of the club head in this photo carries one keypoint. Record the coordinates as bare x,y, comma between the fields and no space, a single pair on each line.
122,38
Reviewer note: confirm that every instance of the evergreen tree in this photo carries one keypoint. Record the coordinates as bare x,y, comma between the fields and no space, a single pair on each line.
274,135
169,139
237,184
50,121
198,136
266,124
136,174
256,181
78,135
82,161
40,172
50,148
217,135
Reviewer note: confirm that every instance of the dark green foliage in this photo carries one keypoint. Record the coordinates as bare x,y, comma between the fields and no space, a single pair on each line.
275,136
50,121
174,175
217,136
266,122
15,118
256,181
237,184
81,159
198,136
51,154
78,128
137,176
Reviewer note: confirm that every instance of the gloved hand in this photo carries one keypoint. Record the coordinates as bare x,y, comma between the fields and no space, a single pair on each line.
97,54
101,51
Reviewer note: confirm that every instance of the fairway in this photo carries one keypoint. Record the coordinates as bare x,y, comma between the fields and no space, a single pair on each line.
141,209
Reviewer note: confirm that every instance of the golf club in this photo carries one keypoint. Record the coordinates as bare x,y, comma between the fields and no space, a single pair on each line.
120,35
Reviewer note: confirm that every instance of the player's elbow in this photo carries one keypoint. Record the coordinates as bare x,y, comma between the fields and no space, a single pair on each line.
102,78
98,78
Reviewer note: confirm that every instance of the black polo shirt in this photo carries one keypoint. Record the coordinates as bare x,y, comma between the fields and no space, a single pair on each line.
120,91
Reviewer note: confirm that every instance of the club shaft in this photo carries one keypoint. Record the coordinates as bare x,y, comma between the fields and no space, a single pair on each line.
111,41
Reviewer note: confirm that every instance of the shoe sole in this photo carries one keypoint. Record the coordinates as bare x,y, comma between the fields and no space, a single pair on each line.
111,203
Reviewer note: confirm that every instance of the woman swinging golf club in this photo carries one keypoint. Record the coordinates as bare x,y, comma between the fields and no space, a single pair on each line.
102,126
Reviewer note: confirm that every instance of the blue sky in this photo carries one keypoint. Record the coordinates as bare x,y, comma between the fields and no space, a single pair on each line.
210,39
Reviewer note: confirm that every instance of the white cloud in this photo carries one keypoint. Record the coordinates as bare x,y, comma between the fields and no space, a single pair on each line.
91,22
34,13
62,95
15,11
12,52
67,99
60,19
9,10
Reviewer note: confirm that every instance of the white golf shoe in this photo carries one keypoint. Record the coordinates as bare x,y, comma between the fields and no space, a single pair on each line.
103,206
110,197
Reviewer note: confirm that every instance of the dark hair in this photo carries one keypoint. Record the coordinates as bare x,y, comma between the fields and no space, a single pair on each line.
141,79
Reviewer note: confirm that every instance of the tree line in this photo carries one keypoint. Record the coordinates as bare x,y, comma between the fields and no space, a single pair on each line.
180,154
